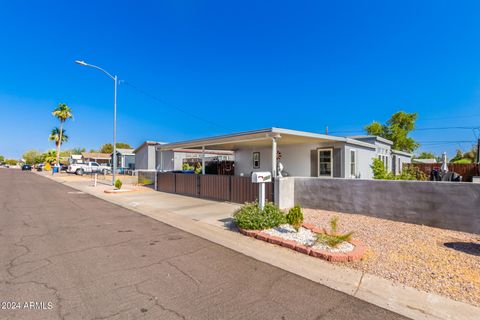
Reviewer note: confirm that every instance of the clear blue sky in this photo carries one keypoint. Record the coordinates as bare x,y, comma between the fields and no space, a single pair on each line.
239,64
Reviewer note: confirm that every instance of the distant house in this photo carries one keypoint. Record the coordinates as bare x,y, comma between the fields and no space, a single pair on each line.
426,161
148,158
98,157
145,155
125,158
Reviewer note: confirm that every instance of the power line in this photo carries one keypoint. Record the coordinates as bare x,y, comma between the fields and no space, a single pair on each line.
177,107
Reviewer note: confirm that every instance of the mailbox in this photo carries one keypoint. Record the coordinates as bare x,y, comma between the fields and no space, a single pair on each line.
261,177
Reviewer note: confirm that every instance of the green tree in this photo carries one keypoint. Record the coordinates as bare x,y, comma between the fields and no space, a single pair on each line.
32,157
396,129
11,162
2,158
426,155
108,147
458,156
55,135
62,113
50,156
78,150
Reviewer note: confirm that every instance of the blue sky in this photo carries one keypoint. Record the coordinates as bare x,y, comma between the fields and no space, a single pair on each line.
239,65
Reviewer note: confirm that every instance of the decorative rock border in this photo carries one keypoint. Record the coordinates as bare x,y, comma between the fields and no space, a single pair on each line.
115,191
355,255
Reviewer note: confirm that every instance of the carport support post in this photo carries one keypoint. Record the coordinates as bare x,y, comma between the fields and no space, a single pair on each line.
203,159
274,158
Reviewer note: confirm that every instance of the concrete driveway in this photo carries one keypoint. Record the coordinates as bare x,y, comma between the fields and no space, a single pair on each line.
68,255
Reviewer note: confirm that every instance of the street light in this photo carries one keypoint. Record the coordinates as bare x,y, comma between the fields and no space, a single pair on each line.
115,80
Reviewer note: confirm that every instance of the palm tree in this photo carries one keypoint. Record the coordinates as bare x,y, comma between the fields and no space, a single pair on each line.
50,156
62,113
55,135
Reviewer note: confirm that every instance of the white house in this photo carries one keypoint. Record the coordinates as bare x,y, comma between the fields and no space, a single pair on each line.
287,152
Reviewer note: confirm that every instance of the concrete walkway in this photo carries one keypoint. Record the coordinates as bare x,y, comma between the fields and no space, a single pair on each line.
180,211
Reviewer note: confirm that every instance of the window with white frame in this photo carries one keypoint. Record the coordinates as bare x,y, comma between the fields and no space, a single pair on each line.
325,162
353,163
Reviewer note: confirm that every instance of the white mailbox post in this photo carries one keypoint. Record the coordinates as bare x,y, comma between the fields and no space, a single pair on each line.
261,178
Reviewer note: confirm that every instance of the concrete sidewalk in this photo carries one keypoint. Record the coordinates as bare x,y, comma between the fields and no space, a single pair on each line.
207,219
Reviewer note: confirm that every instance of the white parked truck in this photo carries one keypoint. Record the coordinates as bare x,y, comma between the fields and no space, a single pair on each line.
89,167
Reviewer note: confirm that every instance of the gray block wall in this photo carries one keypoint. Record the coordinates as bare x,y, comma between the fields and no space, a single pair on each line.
445,205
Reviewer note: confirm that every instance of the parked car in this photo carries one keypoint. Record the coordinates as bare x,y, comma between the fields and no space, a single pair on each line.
40,167
89,167
63,167
26,167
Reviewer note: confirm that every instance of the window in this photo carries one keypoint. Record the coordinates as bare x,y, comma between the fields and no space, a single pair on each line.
325,162
256,160
353,163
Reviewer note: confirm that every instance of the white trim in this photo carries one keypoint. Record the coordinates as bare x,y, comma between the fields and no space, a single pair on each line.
331,162
353,176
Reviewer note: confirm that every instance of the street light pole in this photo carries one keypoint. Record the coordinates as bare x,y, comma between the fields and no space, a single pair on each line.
115,81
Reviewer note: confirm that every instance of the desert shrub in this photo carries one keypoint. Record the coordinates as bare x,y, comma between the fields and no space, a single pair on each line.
118,184
379,171
332,237
412,173
251,217
295,217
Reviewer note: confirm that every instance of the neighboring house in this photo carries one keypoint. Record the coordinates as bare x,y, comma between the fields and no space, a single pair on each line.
287,152
145,155
125,158
147,158
426,161
75,158
98,157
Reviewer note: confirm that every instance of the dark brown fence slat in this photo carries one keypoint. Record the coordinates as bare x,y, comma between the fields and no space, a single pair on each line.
166,182
186,184
243,190
215,187
467,171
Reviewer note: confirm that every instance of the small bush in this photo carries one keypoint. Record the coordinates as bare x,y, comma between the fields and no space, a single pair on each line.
118,184
251,217
295,217
332,237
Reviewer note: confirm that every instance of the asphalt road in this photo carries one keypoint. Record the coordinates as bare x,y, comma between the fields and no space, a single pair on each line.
69,255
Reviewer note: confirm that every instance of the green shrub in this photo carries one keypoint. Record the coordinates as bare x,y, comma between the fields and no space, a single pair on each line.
118,184
295,217
332,237
251,217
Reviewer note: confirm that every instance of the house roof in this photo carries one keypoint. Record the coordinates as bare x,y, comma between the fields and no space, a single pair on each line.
371,137
402,153
95,155
126,152
147,143
260,138
428,161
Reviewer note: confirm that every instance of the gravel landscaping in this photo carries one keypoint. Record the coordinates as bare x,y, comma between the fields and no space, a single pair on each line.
434,260
306,237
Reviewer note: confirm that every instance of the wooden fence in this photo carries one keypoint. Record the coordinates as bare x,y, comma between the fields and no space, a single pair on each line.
215,187
467,171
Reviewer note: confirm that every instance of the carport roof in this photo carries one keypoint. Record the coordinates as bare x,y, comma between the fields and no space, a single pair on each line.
260,138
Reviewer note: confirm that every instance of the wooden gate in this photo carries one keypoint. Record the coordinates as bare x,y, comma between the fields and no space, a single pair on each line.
216,187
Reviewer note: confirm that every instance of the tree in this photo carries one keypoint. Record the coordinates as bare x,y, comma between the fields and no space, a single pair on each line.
62,113
396,129
32,157
108,147
78,150
56,134
11,162
2,158
458,156
426,155
50,156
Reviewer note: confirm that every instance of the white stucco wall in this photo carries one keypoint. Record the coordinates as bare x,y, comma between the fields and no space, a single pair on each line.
364,161
296,159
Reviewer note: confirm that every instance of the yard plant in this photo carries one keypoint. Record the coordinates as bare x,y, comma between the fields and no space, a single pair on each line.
295,217
333,238
251,217
118,184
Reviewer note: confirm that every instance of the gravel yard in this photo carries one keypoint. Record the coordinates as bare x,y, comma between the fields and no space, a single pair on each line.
440,261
